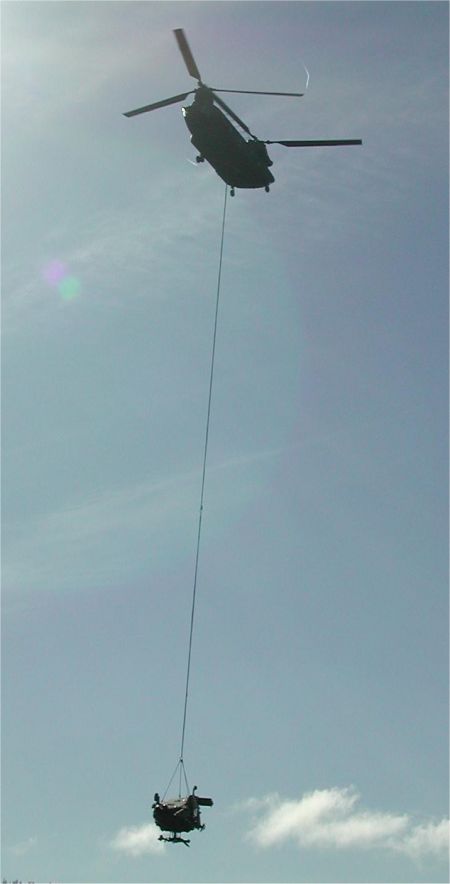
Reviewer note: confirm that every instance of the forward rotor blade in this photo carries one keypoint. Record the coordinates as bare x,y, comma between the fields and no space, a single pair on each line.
328,143
189,61
252,92
149,107
232,114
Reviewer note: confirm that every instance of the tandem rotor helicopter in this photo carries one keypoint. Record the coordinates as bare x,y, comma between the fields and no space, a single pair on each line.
239,162
245,164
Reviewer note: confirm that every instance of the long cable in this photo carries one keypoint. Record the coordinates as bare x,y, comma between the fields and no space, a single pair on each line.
205,453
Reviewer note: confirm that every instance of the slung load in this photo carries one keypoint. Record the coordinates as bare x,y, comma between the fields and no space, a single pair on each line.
179,815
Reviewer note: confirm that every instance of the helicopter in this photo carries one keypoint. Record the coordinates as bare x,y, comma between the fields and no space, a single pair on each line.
179,815
239,162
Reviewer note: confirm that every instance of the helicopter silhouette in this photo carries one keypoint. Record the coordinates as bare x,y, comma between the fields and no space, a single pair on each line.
179,815
239,162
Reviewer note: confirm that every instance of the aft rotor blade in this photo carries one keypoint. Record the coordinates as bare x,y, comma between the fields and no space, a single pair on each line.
156,104
232,114
328,143
187,54
252,92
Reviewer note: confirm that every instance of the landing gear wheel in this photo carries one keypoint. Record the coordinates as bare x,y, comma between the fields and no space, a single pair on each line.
232,191
267,188
199,159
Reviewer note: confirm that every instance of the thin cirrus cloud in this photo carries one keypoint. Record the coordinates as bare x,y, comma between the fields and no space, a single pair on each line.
93,536
24,847
97,265
332,818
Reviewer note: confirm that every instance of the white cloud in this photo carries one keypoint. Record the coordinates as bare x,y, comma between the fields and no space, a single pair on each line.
429,838
138,840
331,818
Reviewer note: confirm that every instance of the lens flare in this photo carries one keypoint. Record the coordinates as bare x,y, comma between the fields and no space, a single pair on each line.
69,287
56,274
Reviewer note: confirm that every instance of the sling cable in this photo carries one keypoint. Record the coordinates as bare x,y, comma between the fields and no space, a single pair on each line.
183,813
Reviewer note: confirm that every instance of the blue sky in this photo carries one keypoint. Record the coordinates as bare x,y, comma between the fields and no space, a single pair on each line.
318,713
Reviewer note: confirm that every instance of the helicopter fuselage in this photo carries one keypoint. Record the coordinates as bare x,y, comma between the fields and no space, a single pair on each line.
238,162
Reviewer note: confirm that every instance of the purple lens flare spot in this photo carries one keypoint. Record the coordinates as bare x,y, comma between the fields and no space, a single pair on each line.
54,272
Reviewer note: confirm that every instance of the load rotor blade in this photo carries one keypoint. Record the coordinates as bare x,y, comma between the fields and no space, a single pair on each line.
232,114
189,61
328,143
252,92
149,107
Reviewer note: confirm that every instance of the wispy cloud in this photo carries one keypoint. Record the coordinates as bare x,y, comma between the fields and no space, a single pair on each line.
333,818
24,847
89,539
425,839
107,247
33,54
137,840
